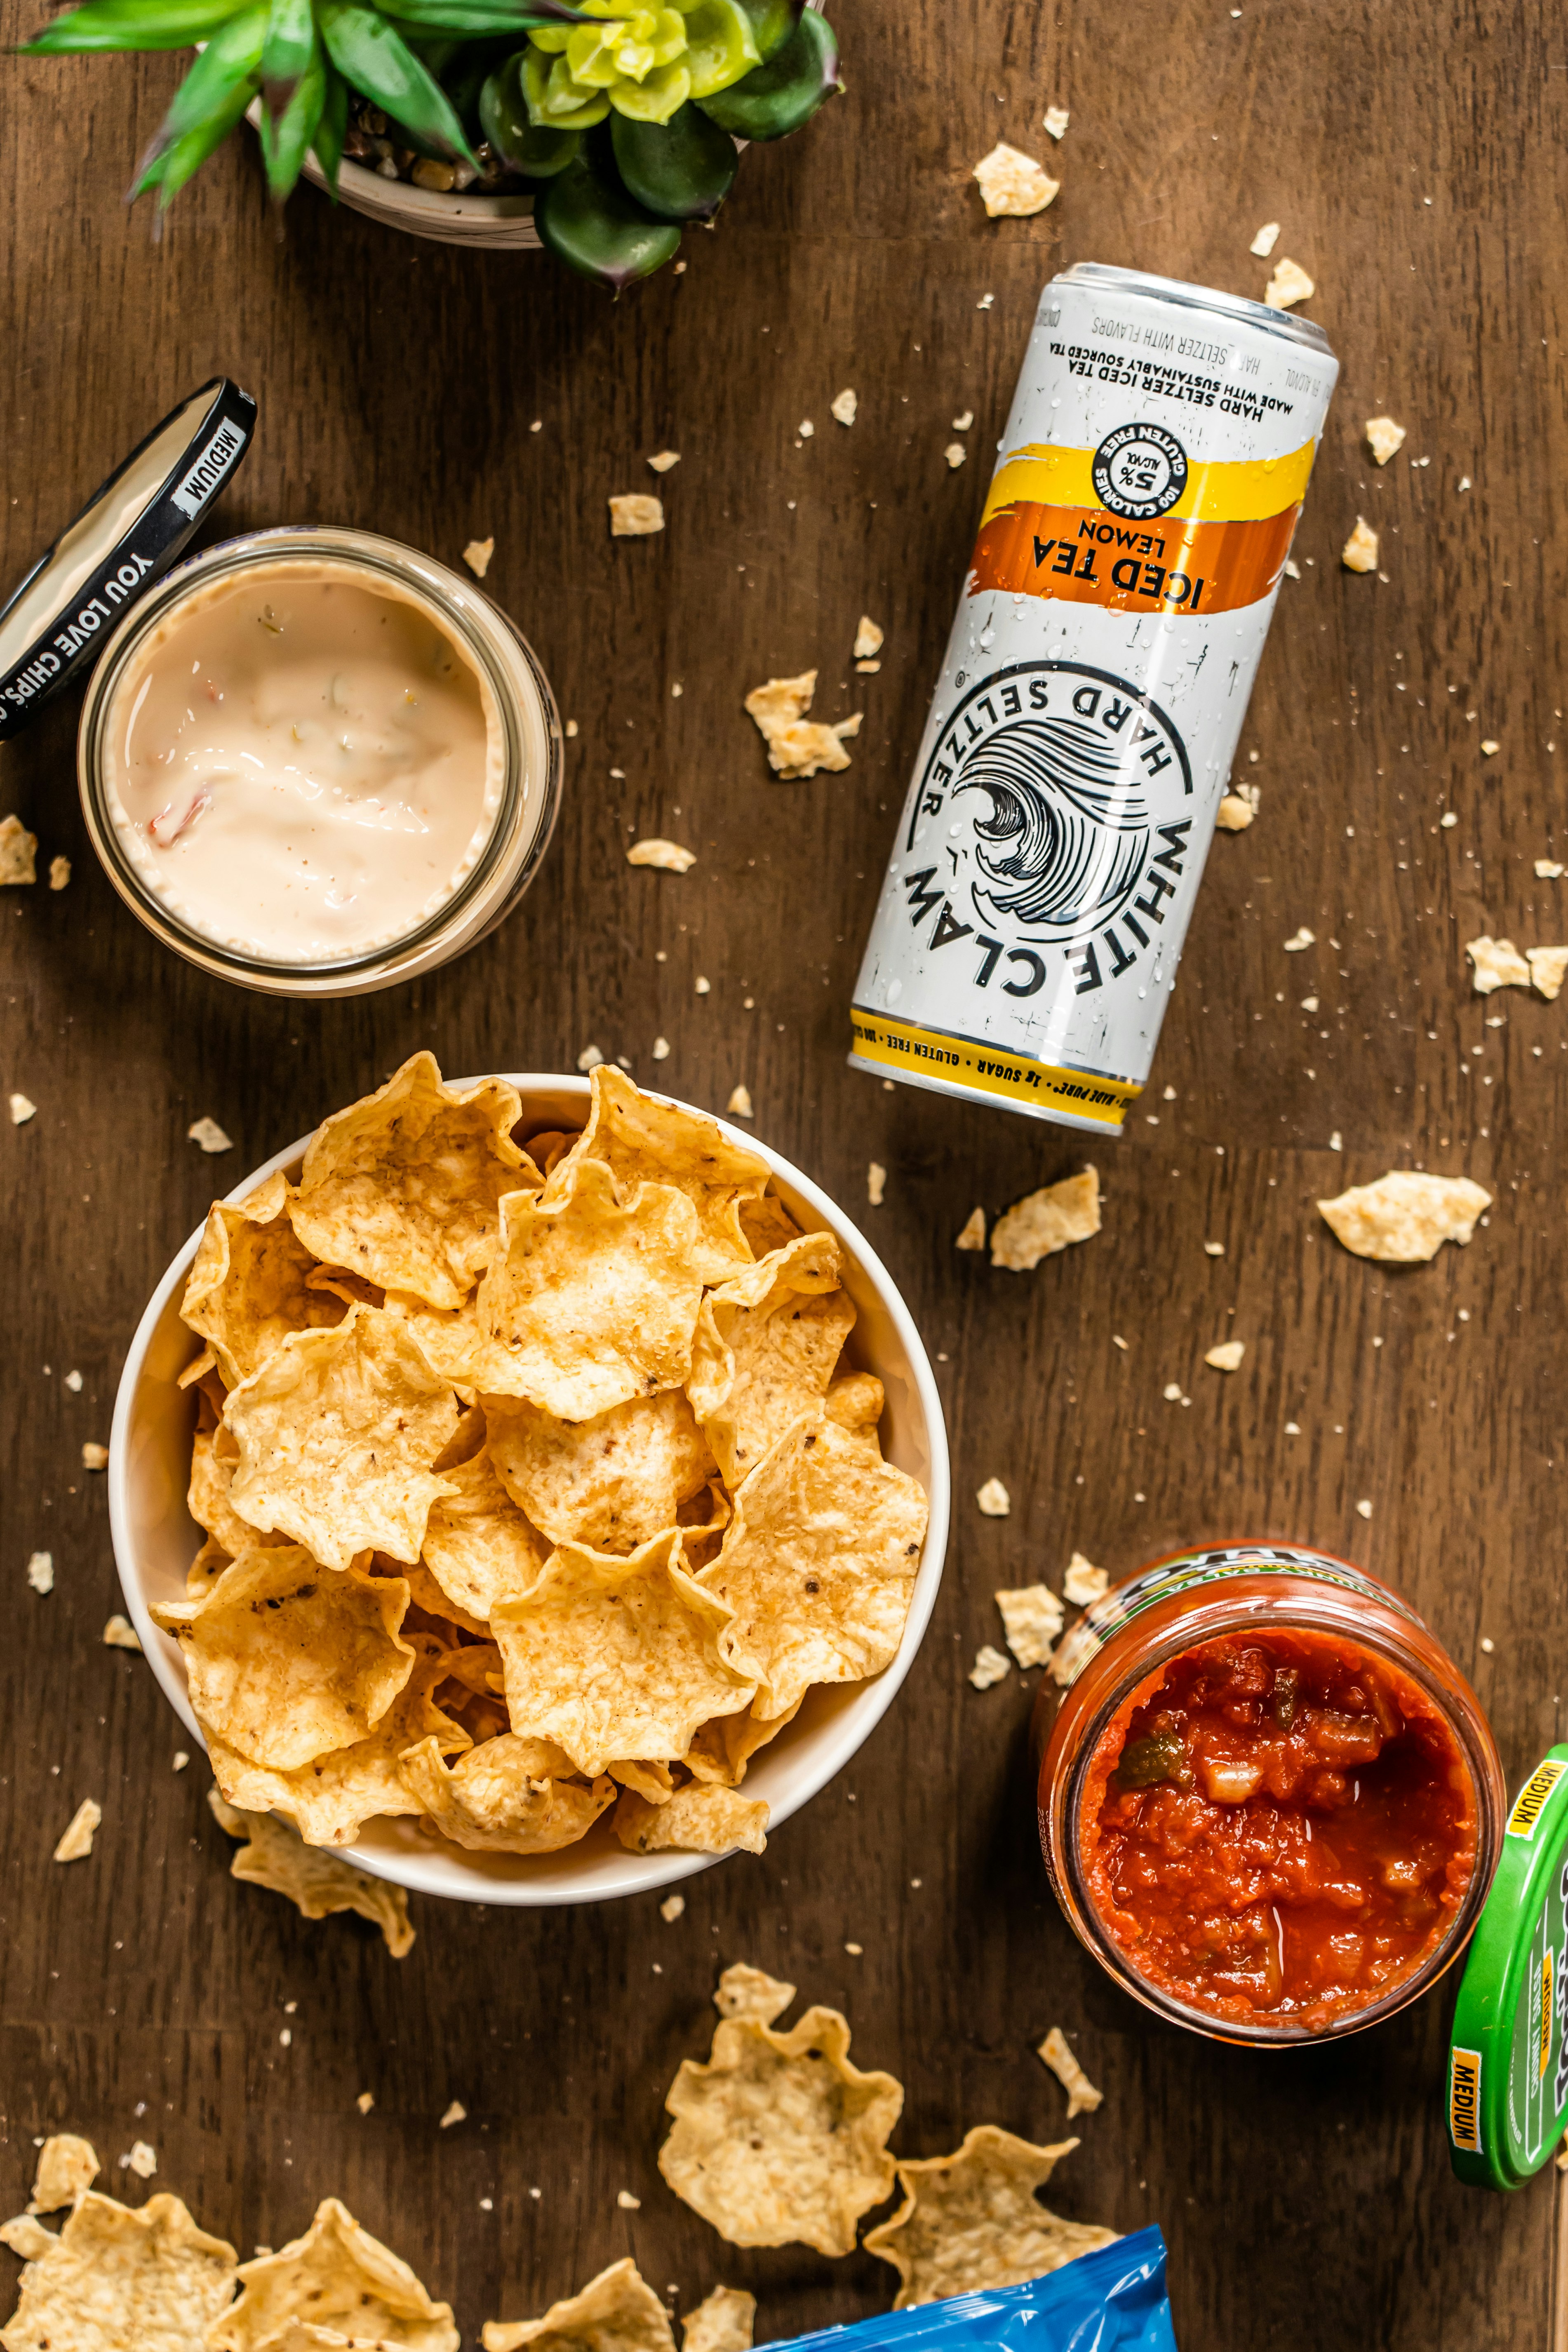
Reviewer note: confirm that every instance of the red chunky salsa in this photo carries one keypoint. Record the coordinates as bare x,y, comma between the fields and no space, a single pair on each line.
1278,1828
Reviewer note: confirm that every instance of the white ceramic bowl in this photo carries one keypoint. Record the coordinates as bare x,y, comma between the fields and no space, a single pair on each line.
155,1539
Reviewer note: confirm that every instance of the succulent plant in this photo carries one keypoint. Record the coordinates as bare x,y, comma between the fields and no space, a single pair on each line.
622,118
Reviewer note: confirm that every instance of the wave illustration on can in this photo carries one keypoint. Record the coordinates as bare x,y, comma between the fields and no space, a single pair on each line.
1089,708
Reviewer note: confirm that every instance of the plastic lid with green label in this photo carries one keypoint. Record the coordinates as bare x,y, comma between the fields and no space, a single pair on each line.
1508,2063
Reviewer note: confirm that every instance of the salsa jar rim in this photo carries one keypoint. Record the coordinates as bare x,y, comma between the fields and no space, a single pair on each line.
1383,1624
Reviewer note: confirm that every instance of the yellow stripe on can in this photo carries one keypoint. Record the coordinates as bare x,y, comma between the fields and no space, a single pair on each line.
1243,489
981,1069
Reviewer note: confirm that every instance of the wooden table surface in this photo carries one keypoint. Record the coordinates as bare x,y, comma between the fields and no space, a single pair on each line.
1411,152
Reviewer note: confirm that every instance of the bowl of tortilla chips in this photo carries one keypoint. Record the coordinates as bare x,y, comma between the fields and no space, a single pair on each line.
529,1489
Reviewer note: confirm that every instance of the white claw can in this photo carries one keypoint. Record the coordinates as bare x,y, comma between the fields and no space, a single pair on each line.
1087,712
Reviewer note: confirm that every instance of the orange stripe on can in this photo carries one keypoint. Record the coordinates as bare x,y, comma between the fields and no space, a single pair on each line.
1082,555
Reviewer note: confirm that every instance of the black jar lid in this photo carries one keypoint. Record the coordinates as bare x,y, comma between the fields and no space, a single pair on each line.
131,531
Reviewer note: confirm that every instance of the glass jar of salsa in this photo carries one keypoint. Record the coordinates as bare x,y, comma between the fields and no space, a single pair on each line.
1270,1805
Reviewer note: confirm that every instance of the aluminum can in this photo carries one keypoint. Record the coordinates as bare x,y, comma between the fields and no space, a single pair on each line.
1089,708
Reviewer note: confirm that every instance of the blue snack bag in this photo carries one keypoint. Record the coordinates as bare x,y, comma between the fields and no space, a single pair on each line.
1113,2300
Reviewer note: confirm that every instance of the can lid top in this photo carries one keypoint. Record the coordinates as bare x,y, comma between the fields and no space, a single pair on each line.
1239,307
1508,2065
126,537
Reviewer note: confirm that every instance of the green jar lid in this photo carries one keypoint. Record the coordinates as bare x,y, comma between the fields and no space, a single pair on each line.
1507,2061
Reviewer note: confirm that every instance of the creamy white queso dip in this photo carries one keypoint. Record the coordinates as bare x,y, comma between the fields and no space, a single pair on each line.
301,763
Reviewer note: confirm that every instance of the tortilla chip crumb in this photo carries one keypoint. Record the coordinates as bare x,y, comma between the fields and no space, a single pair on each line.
589,1059
77,1843
365,2101
723,2321
868,638
972,1237
668,856
1363,1510
660,1049
1550,869
1497,964
798,746
1407,1216
1264,243
1083,1581
1056,120
1012,184
843,405
1226,1357
670,1909
1234,814
1083,2096
477,556
994,1499
1547,967
1491,749
22,1110
208,1136
1288,286
1383,438
94,1456
141,2159
875,1183
1303,938
1046,1221
955,453
636,515
41,1571
59,873
18,849
663,459
990,1666
1359,552
457,2112
739,1103
627,2202
1031,1619
120,1634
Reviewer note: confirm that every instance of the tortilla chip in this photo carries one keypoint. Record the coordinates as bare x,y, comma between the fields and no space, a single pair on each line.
1497,964
767,1225
18,849
403,1188
336,1434
615,1658
287,1660
477,1544
971,2220
67,2166
311,1878
247,1287
592,1299
724,2321
637,1137
695,1819
818,1566
654,1781
765,1349
198,1368
453,1337
1046,1221
611,1482
1057,2053
1014,183
1406,1217
26,2236
329,1800
209,1564
1359,552
1548,969
1031,1619
336,2275
214,1458
778,2139
856,1401
148,2280
1083,1581
746,1991
616,2312
510,1795
720,1751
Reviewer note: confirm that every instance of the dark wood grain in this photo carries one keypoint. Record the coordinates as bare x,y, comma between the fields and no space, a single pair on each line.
1412,151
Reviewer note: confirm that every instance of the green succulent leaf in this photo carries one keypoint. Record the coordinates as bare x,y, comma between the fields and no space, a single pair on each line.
287,133
772,23
169,172
780,96
521,144
368,53
332,127
130,24
679,170
291,42
232,55
721,46
586,219
555,102
478,18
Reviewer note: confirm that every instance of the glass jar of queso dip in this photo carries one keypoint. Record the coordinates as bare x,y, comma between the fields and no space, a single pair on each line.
1269,1804
317,762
